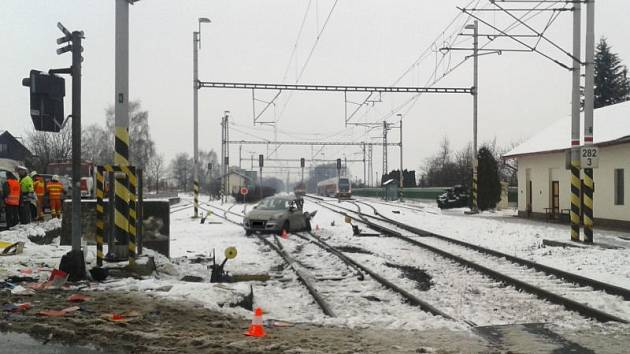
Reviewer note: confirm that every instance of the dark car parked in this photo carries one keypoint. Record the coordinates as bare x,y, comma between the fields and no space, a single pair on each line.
454,197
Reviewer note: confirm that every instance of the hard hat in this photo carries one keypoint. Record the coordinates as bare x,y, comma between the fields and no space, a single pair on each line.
20,167
33,173
55,178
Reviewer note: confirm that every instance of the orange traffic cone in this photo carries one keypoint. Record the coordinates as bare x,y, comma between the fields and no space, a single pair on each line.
256,329
284,234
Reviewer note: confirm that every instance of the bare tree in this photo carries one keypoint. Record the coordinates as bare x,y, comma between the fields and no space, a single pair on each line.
97,144
141,146
181,170
49,147
155,171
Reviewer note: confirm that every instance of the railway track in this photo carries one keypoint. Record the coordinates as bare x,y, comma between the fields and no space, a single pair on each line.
544,282
178,208
306,278
329,301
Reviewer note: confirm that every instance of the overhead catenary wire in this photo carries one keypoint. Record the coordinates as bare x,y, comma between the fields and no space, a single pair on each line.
515,24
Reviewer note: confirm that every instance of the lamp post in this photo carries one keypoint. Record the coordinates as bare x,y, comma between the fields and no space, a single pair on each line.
196,47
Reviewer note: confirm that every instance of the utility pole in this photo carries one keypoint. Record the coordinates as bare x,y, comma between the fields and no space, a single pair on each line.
589,87
364,166
240,155
261,159
196,48
401,158
222,158
575,125
385,128
475,207
226,163
370,166
121,131
196,42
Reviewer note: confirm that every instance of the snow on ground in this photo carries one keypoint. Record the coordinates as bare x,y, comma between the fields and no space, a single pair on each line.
523,238
284,298
461,293
38,259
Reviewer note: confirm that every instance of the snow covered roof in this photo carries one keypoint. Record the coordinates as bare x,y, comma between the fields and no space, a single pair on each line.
611,125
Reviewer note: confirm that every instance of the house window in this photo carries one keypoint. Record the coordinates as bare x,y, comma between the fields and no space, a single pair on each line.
4,148
619,190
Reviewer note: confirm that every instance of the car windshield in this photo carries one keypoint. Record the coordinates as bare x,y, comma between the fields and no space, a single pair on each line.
273,204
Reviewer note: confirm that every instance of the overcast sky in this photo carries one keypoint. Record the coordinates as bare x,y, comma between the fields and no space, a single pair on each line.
365,42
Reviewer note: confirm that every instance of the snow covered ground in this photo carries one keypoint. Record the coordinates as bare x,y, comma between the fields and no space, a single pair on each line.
609,261
462,294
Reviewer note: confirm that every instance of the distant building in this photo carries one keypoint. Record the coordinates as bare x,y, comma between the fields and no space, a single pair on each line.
544,180
237,178
12,151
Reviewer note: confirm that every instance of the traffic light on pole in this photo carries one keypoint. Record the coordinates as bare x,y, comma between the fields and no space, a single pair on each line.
47,92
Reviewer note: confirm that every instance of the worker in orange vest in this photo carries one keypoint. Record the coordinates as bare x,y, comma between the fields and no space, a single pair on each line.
11,192
55,192
40,191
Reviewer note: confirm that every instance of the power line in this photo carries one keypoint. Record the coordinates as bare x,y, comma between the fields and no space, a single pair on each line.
310,55
286,71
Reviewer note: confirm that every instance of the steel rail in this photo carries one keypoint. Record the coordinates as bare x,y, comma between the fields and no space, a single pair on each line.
302,277
574,278
326,247
412,299
584,310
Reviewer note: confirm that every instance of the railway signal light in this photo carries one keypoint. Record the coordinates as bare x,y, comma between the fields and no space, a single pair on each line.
261,160
302,162
339,164
46,95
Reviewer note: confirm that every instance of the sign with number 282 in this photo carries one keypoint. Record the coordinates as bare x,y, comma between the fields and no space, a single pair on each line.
589,156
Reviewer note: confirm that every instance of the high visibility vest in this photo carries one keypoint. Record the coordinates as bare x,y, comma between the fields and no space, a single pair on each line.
39,187
13,198
55,190
27,184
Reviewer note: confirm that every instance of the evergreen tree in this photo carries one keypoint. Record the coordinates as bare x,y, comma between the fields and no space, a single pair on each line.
611,81
489,186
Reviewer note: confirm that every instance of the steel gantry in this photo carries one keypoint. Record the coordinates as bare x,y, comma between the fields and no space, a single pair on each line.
364,146
326,88
329,88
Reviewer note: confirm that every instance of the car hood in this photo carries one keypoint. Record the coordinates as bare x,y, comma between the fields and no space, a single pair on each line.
265,214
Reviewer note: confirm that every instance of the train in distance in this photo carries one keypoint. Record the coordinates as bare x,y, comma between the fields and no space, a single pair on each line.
337,187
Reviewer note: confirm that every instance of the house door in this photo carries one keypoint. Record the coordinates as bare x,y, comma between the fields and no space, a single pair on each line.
528,192
555,197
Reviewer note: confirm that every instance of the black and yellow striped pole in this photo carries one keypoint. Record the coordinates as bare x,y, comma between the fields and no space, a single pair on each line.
588,205
121,128
100,224
574,160
590,155
575,195
474,188
121,212
130,171
475,93
196,197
